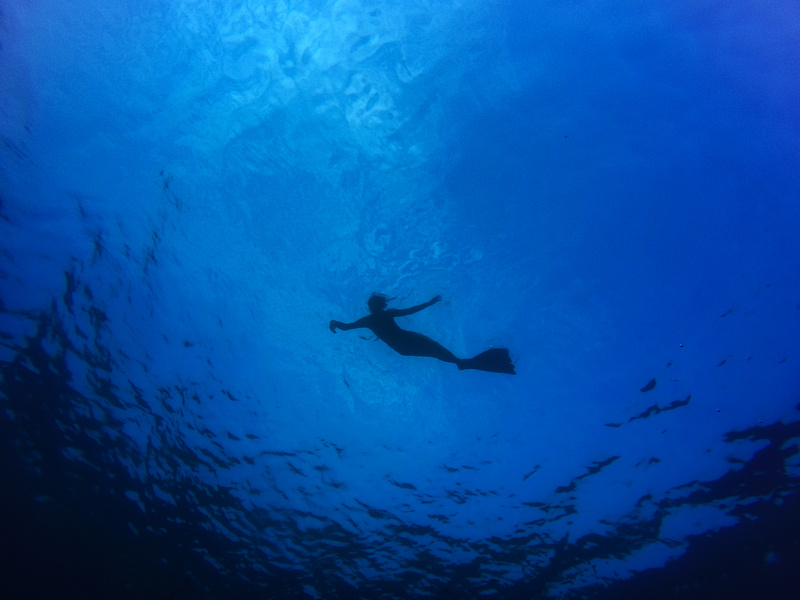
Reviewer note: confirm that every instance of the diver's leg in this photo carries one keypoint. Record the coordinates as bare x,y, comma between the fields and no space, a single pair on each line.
417,344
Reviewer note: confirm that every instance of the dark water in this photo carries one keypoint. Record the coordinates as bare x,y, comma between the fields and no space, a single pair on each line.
190,193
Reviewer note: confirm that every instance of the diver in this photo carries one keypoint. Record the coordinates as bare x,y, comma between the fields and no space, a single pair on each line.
409,343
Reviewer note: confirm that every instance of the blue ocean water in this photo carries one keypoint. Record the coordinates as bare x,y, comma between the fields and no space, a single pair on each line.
190,191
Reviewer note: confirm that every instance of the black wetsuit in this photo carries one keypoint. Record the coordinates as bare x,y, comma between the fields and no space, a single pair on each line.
409,343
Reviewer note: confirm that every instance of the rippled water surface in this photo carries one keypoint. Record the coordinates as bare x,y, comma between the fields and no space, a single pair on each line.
189,193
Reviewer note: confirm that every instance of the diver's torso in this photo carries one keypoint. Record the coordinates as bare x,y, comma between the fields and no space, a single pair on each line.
384,326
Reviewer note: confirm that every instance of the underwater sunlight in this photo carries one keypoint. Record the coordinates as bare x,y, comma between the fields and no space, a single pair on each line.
355,299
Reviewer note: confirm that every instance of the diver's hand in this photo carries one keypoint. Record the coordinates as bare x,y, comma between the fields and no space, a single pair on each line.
333,325
436,299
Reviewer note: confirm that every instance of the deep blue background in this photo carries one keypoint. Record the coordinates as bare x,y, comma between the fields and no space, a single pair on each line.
191,191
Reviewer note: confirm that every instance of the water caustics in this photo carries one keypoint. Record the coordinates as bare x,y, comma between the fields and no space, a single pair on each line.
190,193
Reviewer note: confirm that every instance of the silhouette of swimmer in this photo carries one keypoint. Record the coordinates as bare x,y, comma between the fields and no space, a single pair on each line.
409,343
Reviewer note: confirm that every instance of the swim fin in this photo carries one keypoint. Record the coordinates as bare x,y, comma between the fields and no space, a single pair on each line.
494,360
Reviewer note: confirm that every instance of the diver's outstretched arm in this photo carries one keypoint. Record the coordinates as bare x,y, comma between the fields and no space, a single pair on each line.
362,322
404,312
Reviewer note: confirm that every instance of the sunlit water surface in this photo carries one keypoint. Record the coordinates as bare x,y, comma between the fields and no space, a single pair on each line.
191,191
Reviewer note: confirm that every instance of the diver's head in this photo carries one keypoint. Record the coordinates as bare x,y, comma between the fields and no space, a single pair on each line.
376,303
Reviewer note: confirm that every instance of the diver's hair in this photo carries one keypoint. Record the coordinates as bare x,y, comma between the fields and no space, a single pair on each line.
377,302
